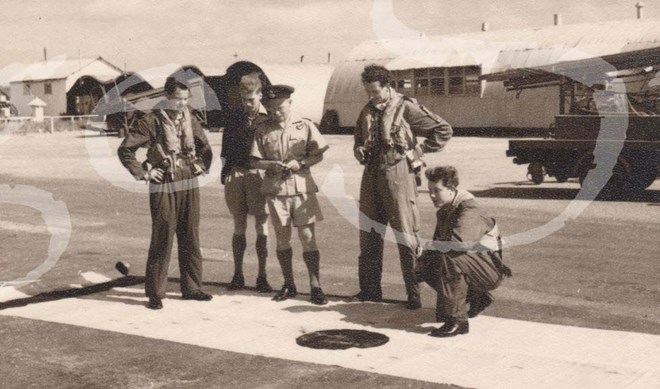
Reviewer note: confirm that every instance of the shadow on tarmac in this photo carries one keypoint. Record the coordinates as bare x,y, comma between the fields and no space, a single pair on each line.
389,314
73,292
537,193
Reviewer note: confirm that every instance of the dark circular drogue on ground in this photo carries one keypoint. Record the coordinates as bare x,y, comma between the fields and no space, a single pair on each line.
342,339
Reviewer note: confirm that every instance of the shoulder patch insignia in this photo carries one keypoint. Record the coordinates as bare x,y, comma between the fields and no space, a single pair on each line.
430,114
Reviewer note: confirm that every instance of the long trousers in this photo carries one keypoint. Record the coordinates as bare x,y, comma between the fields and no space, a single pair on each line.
477,276
174,211
388,195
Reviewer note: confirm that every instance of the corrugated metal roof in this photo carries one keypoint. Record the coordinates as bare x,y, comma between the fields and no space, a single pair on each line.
499,50
495,51
60,68
588,70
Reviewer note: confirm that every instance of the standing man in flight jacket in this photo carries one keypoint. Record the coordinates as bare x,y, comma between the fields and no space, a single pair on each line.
178,151
386,144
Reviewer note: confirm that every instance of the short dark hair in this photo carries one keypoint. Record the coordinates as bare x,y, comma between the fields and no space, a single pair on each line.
237,70
374,73
448,175
250,83
172,84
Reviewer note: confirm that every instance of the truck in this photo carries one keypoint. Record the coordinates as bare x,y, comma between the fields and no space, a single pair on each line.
608,108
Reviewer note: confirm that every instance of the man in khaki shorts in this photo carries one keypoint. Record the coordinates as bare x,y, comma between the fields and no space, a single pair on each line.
242,183
286,147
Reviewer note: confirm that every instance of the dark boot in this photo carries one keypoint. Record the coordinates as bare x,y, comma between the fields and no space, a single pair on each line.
363,296
237,282
414,302
238,245
313,262
478,304
285,258
451,328
318,297
155,303
287,292
263,286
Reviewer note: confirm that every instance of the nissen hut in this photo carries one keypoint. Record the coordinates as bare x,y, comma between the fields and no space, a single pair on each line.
445,72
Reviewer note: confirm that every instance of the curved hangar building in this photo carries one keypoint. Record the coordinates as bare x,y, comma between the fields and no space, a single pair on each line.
445,72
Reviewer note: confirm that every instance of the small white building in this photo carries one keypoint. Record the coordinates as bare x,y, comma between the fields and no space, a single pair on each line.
52,81
4,95
37,105
444,73
6,109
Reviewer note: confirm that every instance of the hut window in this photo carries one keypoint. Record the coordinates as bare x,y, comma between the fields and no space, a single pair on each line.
438,86
27,91
456,79
421,82
438,83
472,83
404,81
48,88
464,80
422,87
404,84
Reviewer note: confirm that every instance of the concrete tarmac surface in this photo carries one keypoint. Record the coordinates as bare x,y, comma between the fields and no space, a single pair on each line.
580,311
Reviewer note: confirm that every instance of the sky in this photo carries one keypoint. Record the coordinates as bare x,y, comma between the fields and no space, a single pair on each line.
143,34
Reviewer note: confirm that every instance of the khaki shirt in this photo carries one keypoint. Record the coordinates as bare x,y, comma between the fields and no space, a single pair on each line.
296,139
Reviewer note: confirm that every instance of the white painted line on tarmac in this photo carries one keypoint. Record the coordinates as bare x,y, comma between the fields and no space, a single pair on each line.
8,293
89,278
496,354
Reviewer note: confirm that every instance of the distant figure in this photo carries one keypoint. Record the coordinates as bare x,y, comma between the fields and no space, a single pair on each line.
386,143
286,147
464,261
178,151
243,183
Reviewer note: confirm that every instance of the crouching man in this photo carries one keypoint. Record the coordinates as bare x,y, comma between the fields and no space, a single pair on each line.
464,260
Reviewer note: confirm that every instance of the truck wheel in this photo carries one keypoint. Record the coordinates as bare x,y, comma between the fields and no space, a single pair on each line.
536,172
632,173
562,177
584,164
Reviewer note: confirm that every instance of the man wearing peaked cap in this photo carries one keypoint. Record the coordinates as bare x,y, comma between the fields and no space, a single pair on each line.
278,91
286,146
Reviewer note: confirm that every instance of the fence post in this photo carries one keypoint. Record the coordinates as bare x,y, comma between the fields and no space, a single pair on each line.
52,124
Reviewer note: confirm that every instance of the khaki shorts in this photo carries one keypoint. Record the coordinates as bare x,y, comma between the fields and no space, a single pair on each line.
243,192
301,209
